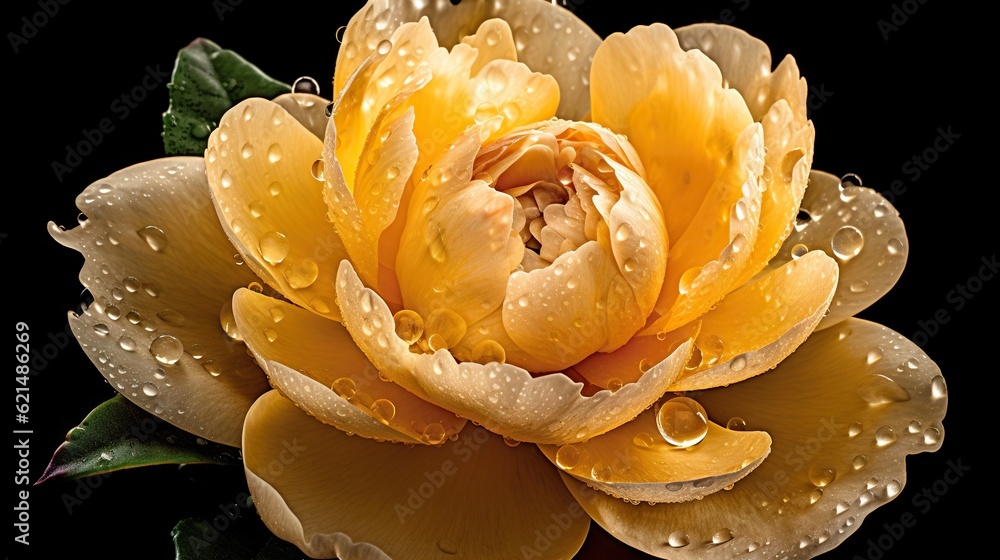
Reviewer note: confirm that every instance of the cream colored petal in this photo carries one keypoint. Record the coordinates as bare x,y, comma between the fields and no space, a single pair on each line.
494,41
761,323
356,499
548,38
453,253
503,398
308,109
633,462
675,111
778,101
628,363
843,411
314,362
270,205
708,260
862,230
162,272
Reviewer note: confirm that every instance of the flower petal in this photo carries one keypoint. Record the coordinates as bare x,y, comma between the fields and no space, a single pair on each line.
628,363
353,498
494,41
503,398
453,253
161,271
778,101
272,209
843,411
761,323
548,38
634,463
862,230
308,109
314,362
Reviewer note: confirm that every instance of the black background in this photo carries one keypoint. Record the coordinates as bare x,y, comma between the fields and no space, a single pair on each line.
876,104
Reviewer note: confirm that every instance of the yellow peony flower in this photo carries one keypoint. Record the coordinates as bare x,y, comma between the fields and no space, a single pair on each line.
592,259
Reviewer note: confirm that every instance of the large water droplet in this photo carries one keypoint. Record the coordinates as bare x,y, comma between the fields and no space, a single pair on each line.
274,247
127,344
384,410
847,242
677,539
821,476
271,334
738,363
212,368
736,424
721,536
682,421
306,84
154,237
885,436
894,246
642,439
883,390
300,273
938,387
488,351
167,349
854,429
345,387
101,329
568,456
932,436
409,326
446,323
434,434
150,389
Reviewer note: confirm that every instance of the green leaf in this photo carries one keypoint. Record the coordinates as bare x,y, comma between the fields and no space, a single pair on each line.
206,82
195,539
119,435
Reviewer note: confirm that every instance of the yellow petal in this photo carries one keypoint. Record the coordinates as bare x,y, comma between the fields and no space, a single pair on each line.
778,101
161,271
503,398
494,41
628,363
453,251
633,462
308,109
271,207
758,325
314,362
858,227
843,411
548,38
356,499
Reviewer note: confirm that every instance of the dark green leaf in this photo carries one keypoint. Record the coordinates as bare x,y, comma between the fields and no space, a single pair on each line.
196,539
277,549
206,82
119,435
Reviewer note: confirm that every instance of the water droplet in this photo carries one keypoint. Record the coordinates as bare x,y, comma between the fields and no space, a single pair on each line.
601,472
101,329
154,237
892,488
821,476
444,545
687,279
736,424
150,389
624,232
932,436
201,130
642,439
212,368
409,326
738,363
815,495
305,84
568,456
614,384
384,410
320,305
317,170
247,150
721,536
228,321
127,344
172,317
799,251
885,436
511,442
682,421
300,273
854,429
167,349
274,156
938,387
488,351
274,247
446,323
677,539
133,317
711,347
859,462
384,47
894,246
914,427
434,434
345,387
847,242
271,334
883,390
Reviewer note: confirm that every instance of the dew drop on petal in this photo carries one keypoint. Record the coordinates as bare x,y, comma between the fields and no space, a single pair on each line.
434,434
345,387
409,326
167,349
154,237
682,421
274,247
847,242
568,456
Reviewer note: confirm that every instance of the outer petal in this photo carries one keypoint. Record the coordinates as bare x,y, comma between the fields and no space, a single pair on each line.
314,362
862,230
352,498
161,271
308,109
548,38
503,398
634,463
272,209
843,411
